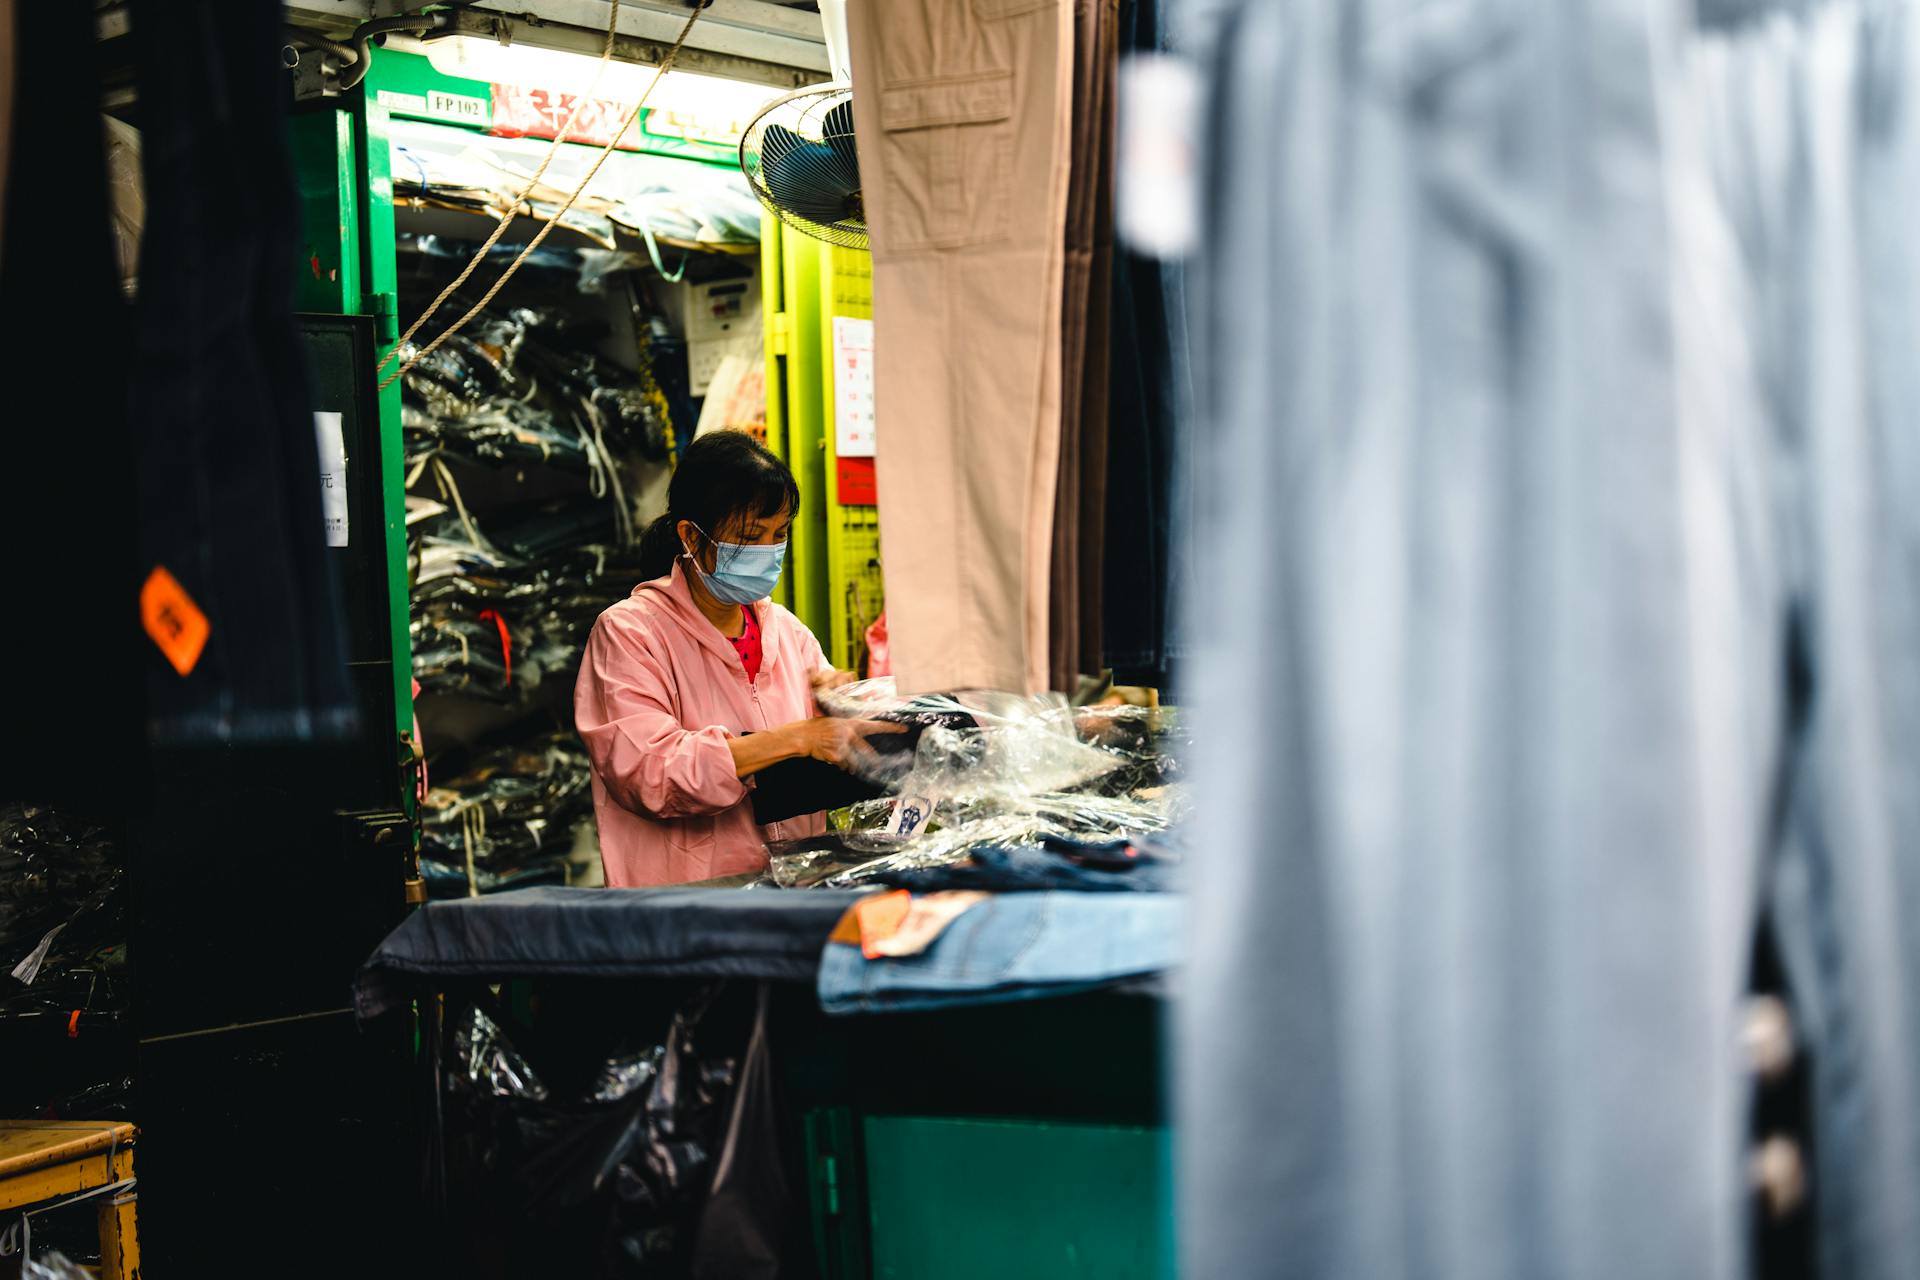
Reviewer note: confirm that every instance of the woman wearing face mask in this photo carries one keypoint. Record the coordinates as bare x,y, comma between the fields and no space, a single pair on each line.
696,681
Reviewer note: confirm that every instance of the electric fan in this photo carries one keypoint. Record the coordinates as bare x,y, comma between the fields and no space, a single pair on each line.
799,157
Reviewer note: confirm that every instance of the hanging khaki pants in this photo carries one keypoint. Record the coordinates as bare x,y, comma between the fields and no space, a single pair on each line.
962,113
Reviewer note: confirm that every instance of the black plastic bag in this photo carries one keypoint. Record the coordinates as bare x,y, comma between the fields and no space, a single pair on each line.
752,1227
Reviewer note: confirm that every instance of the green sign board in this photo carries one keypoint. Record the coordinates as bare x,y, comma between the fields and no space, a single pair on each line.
407,85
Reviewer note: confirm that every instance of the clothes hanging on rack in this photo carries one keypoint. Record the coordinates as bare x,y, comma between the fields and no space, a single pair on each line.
1079,512
966,124
228,465
67,490
1147,508
1813,138
1555,382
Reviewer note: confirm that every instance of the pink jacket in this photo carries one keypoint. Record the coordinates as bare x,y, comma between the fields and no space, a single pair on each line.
660,693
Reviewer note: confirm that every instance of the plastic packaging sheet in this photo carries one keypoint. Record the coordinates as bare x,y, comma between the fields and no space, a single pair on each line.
1022,769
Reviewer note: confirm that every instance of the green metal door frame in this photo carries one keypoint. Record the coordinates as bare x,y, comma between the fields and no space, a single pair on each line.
344,173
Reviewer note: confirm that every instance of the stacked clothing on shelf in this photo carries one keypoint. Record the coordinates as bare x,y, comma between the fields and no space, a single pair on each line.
507,822
525,386
504,600
660,199
495,618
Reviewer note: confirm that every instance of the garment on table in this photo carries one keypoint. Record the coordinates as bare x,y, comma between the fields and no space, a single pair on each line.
1079,512
965,125
1020,946
660,694
228,461
635,933
1018,868
810,786
1567,449
806,785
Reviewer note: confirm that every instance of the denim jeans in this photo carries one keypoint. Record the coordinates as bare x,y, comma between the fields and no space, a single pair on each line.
1487,758
1815,143
229,469
1017,946
1021,869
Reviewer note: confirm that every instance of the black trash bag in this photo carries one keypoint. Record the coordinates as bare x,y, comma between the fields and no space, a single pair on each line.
753,1226
602,1173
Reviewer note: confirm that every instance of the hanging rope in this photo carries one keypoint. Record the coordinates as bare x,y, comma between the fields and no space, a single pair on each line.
554,221
513,210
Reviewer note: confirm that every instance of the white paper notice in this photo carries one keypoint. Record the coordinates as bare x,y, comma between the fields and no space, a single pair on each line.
328,431
853,434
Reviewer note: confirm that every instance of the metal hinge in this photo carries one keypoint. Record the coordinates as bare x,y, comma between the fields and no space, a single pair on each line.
385,310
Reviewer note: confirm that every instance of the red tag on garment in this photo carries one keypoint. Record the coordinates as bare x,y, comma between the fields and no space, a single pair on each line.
506,642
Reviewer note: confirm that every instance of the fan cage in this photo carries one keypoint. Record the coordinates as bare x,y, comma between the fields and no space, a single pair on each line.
802,112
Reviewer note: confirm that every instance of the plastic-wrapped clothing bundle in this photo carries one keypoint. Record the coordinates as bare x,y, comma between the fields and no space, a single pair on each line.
526,386
794,787
493,625
508,821
997,770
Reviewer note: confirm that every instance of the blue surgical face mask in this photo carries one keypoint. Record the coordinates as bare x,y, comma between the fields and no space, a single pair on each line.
742,573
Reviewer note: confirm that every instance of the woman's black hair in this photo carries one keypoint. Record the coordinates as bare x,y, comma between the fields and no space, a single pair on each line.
721,476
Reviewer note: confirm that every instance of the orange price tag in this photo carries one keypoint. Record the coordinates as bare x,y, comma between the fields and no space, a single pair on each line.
173,620
881,916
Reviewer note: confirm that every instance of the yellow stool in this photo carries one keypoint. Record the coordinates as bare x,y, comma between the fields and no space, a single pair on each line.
45,1160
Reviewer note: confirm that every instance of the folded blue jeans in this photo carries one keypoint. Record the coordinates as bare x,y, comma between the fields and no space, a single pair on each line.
1019,946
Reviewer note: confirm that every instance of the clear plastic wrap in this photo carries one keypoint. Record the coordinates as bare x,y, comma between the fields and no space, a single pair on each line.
994,769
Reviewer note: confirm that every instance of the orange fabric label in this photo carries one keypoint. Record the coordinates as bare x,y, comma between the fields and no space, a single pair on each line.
173,620
848,930
880,918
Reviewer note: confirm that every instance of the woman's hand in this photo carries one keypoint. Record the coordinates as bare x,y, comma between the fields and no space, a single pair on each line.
831,679
838,742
